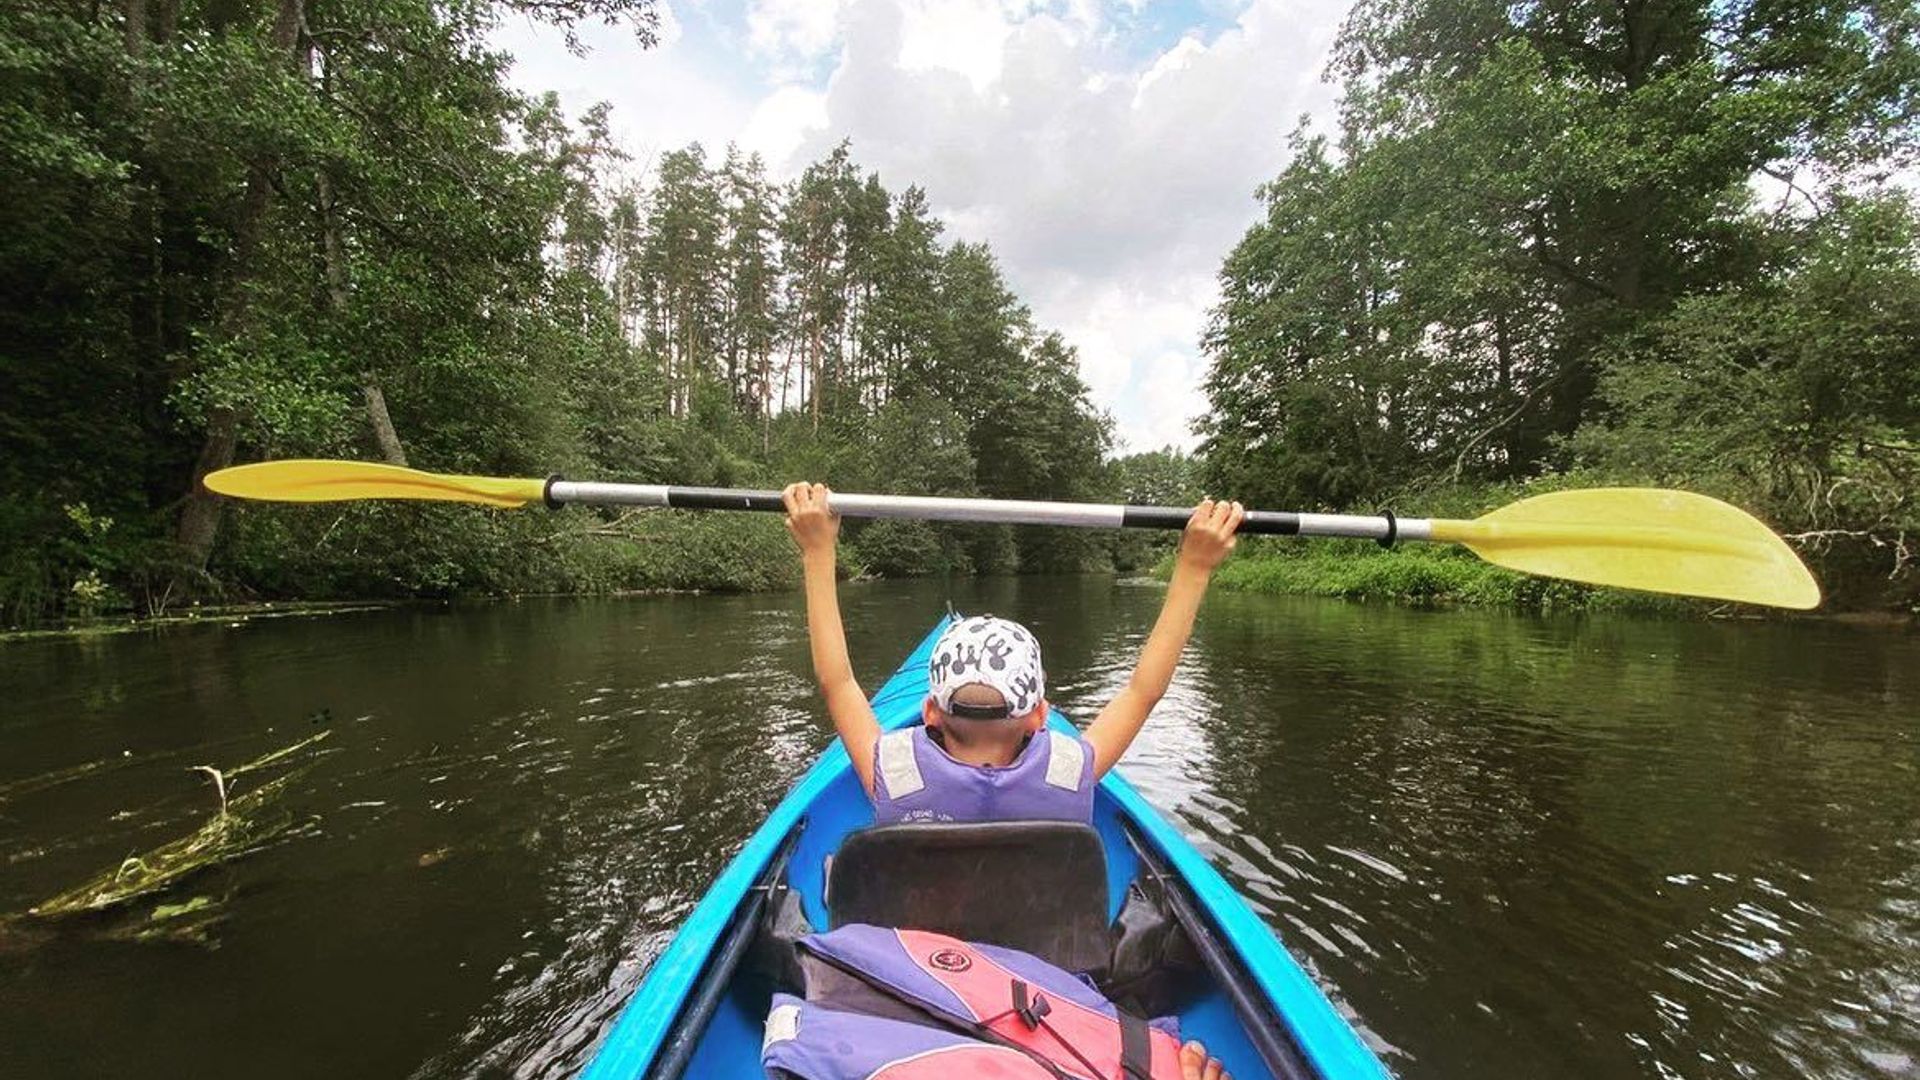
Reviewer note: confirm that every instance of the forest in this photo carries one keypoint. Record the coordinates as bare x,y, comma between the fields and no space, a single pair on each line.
1574,244
239,231
1548,245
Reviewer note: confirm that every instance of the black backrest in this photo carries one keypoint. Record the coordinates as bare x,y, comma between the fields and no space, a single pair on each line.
1036,886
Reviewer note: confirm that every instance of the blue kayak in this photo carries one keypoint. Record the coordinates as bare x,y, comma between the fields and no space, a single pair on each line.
1195,949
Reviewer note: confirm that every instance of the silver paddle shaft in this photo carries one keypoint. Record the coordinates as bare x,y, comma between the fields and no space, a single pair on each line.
987,511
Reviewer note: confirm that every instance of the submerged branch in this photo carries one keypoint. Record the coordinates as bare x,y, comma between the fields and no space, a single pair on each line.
245,824
219,784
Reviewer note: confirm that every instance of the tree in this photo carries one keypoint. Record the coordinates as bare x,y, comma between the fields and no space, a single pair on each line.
902,322
1164,477
286,229
1798,397
751,274
681,267
250,217
1515,189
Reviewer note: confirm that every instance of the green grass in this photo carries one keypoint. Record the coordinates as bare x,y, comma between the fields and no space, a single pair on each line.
1413,574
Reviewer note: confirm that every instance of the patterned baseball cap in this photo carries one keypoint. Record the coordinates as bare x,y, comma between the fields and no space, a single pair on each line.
985,650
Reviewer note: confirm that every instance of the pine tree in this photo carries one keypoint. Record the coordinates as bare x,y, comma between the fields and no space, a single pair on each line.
751,276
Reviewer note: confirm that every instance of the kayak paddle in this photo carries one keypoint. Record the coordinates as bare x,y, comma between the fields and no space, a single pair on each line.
1633,538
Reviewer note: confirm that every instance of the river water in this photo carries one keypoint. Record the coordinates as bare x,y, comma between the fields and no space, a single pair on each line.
1509,846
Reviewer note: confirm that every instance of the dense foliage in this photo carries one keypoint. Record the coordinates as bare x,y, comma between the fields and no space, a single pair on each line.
1551,243
1643,242
272,228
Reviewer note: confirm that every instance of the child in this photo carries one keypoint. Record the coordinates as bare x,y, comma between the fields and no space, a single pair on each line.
985,752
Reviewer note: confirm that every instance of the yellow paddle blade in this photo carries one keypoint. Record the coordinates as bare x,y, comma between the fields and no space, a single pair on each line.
1641,538
337,481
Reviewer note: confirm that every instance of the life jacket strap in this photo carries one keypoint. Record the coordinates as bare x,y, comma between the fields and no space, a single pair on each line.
977,1029
1136,1047
1136,1062
1028,1006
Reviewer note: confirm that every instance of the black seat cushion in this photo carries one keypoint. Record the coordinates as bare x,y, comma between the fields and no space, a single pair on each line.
1036,886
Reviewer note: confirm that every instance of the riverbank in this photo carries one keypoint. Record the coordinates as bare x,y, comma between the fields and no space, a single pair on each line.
231,614
299,559
1420,574
1432,575
276,555
1864,577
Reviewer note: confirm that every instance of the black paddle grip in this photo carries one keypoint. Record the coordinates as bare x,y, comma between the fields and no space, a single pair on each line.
706,498
1272,522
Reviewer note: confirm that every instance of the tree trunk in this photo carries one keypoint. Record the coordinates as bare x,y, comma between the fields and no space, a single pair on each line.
383,434
332,250
146,307
815,348
135,30
200,516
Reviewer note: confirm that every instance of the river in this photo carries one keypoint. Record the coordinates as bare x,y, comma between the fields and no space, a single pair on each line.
1508,845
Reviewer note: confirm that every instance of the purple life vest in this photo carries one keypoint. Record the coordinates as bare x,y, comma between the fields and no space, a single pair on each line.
914,779
811,1042
998,996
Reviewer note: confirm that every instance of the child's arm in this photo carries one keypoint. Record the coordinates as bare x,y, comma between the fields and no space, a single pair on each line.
1208,539
816,531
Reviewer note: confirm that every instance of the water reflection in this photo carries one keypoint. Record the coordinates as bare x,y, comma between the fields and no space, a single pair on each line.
1508,846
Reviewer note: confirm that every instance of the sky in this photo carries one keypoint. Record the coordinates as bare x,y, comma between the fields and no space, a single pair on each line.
1108,153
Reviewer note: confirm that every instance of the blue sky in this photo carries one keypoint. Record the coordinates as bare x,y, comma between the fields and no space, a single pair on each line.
1107,152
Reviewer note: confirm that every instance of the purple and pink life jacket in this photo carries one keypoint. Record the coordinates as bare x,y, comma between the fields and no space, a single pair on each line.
813,1042
914,779
882,990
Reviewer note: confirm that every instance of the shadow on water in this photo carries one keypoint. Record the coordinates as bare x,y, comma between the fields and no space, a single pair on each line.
1509,845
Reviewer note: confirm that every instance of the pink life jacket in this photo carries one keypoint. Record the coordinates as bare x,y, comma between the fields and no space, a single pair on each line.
999,996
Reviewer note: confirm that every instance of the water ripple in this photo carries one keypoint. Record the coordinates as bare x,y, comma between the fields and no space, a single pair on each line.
1504,845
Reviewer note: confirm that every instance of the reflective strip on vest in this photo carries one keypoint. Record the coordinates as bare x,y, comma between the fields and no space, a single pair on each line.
897,764
782,1023
1063,766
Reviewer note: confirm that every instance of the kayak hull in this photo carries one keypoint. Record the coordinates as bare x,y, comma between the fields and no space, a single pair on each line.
688,1018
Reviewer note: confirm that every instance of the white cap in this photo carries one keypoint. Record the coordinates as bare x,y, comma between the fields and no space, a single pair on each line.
989,651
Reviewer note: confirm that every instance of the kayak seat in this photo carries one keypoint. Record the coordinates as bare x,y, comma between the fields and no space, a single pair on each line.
1036,886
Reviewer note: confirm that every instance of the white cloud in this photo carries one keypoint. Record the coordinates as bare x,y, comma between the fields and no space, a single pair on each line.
1110,179
1137,352
1110,192
669,31
791,31
782,121
663,97
1183,53
965,36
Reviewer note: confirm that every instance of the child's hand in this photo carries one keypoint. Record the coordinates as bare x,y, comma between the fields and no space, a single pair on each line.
813,526
1210,534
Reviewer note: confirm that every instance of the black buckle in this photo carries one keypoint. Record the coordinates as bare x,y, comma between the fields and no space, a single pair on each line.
1029,1012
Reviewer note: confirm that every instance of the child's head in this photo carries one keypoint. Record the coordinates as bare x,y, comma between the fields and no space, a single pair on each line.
985,685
